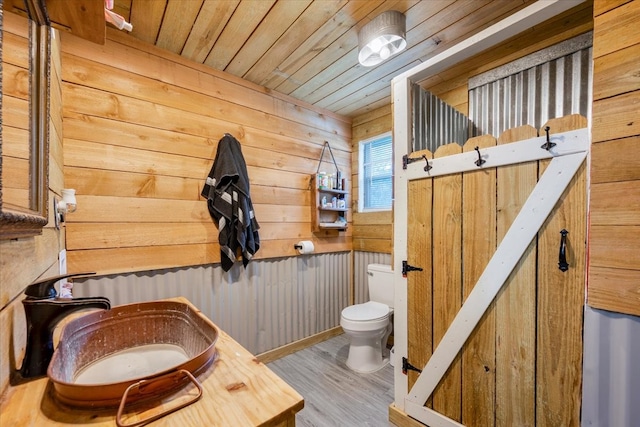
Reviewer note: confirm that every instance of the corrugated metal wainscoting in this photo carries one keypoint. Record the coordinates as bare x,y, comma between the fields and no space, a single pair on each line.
270,304
360,262
611,386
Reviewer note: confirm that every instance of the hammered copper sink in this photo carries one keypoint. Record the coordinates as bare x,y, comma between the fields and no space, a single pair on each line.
97,335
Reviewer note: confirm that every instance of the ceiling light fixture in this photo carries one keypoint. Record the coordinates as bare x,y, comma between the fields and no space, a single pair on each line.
382,38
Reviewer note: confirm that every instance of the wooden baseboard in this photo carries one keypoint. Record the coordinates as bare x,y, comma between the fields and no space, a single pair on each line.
277,353
399,418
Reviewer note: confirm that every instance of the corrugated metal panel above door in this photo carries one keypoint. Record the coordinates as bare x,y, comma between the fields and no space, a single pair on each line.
551,83
435,122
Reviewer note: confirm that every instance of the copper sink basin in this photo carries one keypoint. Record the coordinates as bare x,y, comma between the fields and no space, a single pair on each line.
102,354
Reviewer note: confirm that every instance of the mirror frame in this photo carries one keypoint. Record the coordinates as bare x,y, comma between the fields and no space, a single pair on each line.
17,222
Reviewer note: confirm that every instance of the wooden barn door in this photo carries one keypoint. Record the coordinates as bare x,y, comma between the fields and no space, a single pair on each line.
521,365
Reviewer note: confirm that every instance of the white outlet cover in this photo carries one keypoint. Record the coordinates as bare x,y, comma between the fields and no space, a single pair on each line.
62,261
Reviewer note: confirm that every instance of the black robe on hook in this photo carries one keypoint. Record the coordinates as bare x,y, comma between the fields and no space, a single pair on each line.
229,203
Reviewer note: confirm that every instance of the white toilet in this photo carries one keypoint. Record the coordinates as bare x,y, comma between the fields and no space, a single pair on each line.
368,325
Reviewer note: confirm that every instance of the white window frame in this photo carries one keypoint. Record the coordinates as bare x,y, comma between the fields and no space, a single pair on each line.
361,184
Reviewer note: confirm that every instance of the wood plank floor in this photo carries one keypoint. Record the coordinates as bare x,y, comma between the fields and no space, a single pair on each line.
333,394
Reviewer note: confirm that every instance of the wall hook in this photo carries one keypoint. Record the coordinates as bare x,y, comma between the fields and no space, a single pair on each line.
547,145
480,160
427,167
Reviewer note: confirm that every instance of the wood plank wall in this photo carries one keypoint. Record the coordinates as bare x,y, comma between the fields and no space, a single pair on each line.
372,232
614,262
141,128
23,261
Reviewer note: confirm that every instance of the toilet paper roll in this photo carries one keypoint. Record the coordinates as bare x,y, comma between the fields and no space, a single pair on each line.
305,247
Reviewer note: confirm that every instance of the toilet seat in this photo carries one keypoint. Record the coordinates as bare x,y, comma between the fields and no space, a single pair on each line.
369,316
368,311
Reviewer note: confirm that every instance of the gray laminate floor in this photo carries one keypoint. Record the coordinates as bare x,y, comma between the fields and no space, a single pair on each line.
333,394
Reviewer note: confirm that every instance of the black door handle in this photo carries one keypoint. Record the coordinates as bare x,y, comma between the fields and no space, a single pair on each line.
563,265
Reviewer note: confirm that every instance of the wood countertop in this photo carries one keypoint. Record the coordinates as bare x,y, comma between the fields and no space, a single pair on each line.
238,390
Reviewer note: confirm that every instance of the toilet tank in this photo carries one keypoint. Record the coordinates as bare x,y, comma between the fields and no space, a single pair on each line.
380,281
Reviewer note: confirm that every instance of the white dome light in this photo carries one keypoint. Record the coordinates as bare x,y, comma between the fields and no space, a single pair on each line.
381,38
385,52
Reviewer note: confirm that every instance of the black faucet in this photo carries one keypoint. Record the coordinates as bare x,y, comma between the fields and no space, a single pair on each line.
44,310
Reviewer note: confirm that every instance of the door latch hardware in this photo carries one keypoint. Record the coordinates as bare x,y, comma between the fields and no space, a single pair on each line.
407,268
563,265
406,160
406,366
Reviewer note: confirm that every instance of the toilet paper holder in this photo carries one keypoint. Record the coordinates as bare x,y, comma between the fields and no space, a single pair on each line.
304,247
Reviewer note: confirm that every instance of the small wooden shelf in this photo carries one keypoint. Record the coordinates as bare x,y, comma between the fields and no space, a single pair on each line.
324,217
332,225
332,191
333,209
82,18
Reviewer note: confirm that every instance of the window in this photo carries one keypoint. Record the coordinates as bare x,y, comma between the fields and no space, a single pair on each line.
375,174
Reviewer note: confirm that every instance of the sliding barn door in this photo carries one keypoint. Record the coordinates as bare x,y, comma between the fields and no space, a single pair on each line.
521,365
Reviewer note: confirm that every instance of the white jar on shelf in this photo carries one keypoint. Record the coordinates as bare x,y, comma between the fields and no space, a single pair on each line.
323,180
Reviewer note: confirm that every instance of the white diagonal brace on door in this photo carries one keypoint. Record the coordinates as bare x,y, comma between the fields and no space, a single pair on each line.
534,213
429,416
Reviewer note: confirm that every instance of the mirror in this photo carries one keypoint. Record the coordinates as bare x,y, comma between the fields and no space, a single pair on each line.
24,140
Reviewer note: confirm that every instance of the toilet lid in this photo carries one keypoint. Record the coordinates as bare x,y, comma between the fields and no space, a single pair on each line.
368,311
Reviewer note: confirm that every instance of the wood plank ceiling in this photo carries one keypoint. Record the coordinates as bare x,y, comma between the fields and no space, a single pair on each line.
308,49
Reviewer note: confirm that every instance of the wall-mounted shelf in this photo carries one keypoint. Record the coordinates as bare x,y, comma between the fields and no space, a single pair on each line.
327,217
82,18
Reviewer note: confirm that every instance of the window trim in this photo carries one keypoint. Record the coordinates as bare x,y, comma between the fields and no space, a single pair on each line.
361,144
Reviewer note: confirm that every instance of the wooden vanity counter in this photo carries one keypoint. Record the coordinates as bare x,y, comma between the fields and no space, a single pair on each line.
238,390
